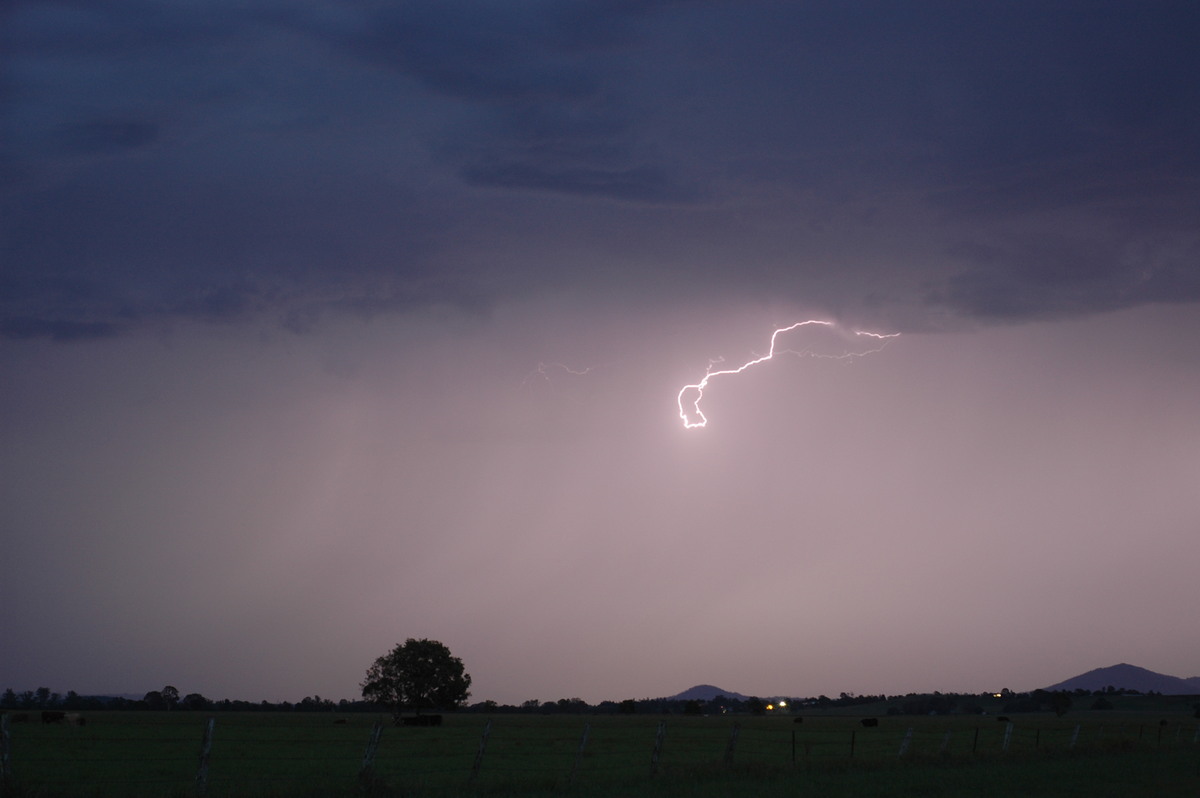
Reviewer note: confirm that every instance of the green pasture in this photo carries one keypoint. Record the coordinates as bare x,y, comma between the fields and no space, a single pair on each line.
1138,750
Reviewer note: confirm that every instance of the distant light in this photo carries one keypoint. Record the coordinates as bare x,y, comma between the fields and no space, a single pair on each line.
770,706
996,695
782,704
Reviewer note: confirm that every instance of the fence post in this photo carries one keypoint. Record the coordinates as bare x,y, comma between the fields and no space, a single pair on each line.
1074,736
732,742
487,729
658,741
205,748
579,753
905,742
4,749
369,754
1007,736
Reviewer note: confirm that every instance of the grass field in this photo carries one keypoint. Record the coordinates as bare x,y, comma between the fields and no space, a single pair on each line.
309,754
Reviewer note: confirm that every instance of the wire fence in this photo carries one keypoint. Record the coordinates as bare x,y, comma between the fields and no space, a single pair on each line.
130,754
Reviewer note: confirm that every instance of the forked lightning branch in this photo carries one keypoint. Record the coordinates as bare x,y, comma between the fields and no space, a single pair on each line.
690,395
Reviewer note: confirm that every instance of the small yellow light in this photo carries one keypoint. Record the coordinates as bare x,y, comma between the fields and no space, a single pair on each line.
770,706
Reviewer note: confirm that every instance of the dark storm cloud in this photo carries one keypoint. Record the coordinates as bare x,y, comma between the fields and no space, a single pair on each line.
19,328
484,52
106,135
644,184
547,116
1058,276
123,28
206,161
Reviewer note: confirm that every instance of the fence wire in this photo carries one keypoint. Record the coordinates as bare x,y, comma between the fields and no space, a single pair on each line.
131,756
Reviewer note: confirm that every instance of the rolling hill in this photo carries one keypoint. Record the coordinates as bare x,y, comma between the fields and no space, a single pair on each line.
705,692
1130,677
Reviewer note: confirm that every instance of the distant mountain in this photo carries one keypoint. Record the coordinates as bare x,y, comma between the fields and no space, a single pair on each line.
705,692
1130,677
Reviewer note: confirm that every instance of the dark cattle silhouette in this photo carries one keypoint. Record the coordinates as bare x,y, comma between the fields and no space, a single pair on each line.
1003,719
797,719
422,720
75,719
869,722
50,716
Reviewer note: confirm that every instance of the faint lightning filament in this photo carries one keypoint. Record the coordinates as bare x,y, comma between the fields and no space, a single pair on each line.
542,372
689,410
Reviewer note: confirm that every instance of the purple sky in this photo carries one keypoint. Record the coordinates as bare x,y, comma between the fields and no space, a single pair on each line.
332,323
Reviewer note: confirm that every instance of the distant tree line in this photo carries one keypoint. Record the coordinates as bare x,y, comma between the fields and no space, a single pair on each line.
422,674
169,699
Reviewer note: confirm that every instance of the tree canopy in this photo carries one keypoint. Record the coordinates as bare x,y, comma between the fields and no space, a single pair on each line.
418,674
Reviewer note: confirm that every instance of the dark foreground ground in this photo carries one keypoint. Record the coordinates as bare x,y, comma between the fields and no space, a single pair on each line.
257,755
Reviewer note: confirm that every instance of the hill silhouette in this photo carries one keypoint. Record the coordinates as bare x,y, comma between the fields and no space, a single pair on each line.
1130,677
705,692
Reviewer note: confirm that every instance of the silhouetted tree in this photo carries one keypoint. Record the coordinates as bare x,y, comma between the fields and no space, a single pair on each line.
9,700
1060,702
419,674
576,705
194,701
170,696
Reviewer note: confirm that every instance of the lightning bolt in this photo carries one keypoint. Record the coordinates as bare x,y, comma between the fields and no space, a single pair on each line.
691,410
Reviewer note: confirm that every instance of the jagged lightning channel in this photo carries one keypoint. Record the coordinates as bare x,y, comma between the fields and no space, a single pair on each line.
695,413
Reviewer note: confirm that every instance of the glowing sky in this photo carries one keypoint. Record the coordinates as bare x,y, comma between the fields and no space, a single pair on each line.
296,299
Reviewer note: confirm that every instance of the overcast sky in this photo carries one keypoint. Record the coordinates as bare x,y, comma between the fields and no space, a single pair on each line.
329,323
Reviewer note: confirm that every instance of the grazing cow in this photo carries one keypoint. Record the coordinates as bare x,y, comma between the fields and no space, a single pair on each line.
869,722
75,719
797,719
50,716
339,722
1003,719
423,720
